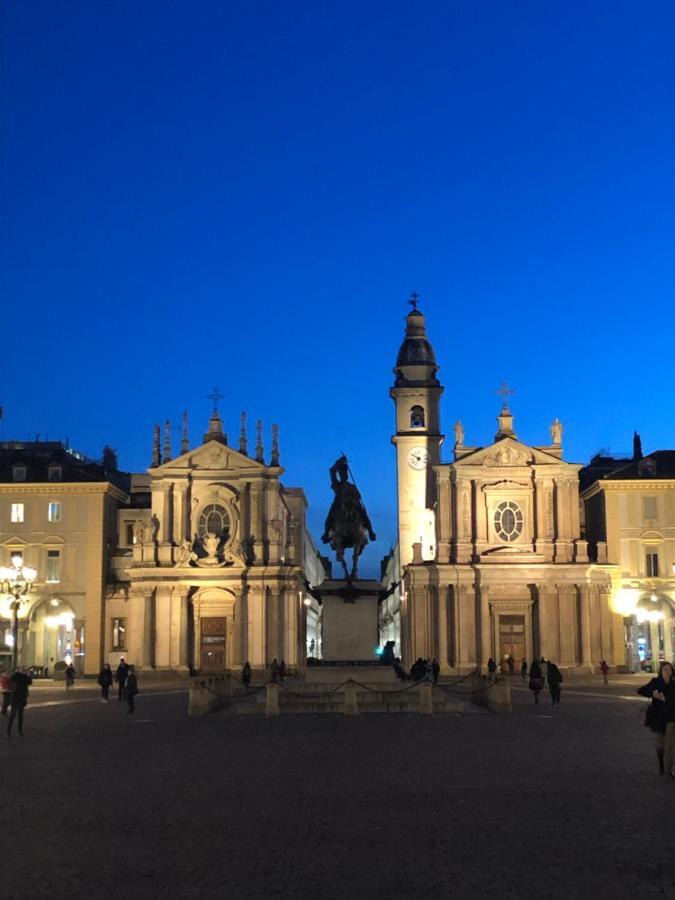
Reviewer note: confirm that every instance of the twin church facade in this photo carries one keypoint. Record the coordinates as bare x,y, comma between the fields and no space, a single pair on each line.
206,561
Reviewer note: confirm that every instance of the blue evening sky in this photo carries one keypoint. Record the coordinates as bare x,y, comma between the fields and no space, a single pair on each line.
245,194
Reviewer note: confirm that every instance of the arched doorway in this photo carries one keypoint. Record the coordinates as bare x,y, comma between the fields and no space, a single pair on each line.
52,636
654,629
213,634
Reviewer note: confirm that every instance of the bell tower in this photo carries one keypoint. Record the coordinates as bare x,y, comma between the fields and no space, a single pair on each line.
416,394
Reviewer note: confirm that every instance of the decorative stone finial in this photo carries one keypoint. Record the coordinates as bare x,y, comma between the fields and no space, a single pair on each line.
259,453
156,451
184,440
637,447
274,460
215,432
167,441
243,443
459,434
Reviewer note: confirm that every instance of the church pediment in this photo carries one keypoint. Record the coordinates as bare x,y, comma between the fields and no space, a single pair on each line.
508,452
211,456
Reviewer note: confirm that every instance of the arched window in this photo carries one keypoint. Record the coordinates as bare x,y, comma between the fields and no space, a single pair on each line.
417,417
214,520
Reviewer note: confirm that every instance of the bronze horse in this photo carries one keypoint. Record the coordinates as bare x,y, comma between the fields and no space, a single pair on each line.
347,523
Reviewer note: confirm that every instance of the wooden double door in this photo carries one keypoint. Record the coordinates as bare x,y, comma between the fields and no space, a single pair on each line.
511,640
213,655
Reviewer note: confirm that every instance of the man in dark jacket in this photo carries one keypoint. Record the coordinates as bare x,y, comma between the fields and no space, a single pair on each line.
131,689
121,676
554,681
20,681
105,679
435,670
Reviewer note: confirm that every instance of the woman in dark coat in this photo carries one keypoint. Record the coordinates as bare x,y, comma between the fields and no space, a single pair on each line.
661,715
105,679
246,674
536,680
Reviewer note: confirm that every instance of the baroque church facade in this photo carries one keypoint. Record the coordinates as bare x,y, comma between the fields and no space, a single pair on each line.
491,554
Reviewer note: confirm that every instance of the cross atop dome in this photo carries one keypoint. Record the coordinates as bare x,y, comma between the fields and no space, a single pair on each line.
215,395
414,300
504,391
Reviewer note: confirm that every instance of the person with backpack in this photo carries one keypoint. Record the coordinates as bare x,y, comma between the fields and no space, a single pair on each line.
536,680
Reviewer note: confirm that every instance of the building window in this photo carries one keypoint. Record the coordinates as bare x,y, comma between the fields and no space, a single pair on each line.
214,520
18,473
53,573
649,507
17,512
646,467
54,473
16,558
652,565
54,511
417,417
119,634
508,521
130,537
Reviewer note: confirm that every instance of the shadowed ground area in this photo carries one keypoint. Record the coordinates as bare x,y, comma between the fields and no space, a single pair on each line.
547,802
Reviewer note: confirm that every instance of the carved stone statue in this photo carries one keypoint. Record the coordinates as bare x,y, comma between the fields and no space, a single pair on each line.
138,531
347,523
186,554
459,434
210,543
556,432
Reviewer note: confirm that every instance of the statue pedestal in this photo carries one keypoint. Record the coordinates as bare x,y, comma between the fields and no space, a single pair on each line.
349,619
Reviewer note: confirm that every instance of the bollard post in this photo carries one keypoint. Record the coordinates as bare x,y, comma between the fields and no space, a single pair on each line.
272,699
198,701
426,700
351,702
499,698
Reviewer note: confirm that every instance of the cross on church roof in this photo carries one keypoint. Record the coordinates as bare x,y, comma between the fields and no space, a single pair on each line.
505,392
215,395
414,298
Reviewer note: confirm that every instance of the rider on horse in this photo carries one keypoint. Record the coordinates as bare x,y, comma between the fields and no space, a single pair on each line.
347,523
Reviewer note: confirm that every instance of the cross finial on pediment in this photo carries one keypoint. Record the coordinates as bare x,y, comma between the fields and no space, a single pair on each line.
215,395
414,300
504,391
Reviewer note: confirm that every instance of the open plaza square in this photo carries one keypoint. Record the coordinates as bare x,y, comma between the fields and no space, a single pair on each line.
553,803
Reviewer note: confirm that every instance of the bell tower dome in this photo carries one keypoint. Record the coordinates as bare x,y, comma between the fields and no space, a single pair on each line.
416,394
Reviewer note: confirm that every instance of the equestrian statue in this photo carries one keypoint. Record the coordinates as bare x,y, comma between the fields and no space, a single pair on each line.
347,523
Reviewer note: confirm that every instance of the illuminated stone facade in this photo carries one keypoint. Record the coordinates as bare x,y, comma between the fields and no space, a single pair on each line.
630,521
490,544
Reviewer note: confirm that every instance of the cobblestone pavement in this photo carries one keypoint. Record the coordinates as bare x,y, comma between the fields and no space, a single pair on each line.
546,803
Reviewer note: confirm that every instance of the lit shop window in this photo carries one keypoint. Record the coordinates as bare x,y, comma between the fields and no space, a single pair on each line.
54,511
17,512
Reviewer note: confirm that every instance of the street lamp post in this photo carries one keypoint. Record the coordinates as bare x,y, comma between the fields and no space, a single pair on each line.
16,580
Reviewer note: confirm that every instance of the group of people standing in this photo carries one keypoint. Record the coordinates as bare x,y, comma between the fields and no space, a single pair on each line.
125,678
544,671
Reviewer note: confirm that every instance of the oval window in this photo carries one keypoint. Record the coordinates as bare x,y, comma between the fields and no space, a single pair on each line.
508,521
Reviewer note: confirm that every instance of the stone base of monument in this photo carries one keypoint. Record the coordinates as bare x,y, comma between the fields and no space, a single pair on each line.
350,670
349,619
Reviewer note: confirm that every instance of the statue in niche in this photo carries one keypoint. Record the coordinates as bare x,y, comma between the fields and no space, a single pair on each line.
556,432
139,528
347,523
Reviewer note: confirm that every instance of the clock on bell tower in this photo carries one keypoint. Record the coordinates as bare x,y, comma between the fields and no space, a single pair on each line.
416,393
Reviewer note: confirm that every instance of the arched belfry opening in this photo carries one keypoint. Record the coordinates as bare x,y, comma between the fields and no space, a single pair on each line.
417,419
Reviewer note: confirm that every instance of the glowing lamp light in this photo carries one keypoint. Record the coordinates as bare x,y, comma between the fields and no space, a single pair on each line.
379,651
307,601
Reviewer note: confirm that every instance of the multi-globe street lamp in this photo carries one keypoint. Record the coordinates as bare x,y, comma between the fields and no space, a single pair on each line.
16,580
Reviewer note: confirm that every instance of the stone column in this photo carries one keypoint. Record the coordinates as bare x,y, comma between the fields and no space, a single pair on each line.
442,627
181,528
162,635
481,518
140,637
567,596
544,500
549,640
289,598
257,610
486,648
464,536
586,653
467,631
178,629
443,519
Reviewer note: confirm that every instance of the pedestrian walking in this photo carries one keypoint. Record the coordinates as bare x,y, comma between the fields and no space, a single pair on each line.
20,681
523,669
604,668
6,688
121,675
554,682
543,668
105,679
70,676
536,680
435,670
274,669
418,671
282,670
511,663
246,674
492,668
131,689
660,717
